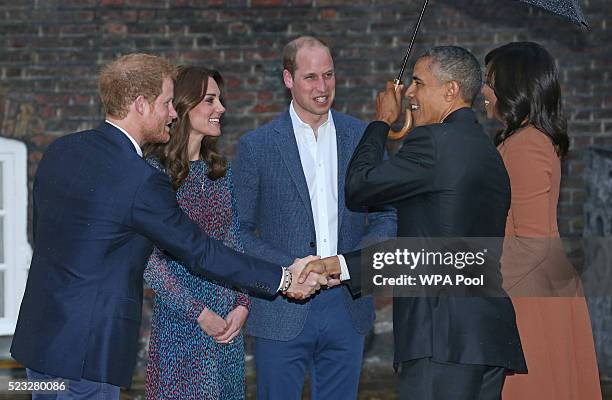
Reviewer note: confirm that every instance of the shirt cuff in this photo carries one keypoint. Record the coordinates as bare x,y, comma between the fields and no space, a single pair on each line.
344,272
280,285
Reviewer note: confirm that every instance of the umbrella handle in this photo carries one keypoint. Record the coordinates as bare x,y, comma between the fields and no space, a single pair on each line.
408,124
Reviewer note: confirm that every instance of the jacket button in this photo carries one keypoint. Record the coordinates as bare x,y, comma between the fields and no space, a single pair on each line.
312,244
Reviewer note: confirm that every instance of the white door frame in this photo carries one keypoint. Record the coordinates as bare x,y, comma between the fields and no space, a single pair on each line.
14,212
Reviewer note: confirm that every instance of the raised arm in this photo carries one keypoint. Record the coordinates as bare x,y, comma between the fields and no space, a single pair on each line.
372,181
156,215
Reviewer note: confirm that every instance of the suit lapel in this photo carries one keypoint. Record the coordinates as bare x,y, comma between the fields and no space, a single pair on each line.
343,142
112,133
287,147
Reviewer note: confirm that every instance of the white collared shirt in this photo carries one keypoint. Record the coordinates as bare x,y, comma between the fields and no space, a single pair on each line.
136,146
319,158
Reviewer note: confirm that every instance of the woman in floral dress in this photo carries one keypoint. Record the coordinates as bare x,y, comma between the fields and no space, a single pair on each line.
196,349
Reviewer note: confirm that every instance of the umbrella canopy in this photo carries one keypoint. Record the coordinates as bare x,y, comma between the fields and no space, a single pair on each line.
569,9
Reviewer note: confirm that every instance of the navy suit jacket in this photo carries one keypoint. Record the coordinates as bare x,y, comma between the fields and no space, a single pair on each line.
276,222
98,209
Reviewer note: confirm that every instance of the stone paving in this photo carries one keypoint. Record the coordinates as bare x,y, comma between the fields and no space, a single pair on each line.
377,383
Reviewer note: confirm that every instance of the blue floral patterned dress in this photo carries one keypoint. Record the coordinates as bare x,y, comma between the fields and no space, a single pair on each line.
184,362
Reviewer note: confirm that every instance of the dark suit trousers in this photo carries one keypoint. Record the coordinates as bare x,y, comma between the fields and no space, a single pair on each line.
424,379
82,389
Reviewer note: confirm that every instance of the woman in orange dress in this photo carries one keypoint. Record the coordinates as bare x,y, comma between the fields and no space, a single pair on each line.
522,91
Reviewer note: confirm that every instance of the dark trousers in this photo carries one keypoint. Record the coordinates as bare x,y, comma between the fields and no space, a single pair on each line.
328,348
76,390
424,379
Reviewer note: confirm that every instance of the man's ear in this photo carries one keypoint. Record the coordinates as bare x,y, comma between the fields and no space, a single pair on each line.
141,105
452,91
288,79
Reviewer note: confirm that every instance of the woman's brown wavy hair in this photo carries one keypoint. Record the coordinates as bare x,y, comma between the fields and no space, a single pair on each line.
189,90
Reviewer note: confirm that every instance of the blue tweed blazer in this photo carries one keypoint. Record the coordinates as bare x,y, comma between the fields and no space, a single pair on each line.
276,222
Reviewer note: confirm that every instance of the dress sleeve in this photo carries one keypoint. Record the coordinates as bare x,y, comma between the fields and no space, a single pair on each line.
528,159
163,280
232,238
529,166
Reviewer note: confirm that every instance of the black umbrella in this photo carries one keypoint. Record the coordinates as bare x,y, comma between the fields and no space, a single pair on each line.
569,9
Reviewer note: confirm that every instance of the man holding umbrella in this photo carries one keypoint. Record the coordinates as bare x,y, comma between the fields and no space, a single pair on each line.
447,180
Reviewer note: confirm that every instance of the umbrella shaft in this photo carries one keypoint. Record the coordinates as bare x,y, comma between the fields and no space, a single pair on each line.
414,34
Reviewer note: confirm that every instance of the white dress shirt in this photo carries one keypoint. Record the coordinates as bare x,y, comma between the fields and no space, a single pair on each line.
319,158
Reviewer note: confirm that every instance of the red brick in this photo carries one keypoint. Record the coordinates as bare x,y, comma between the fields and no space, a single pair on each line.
267,108
268,3
328,14
146,15
35,156
264,95
115,28
42,140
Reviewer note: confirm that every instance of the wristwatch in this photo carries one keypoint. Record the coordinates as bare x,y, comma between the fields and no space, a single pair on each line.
287,279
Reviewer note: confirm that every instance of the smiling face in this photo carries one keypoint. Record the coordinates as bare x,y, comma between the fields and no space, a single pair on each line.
490,101
205,117
313,84
159,115
426,95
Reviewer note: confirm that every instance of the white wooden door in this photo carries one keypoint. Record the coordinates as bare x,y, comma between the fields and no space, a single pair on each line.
15,251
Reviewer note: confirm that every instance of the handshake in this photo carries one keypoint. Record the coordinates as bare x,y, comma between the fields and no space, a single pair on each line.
310,273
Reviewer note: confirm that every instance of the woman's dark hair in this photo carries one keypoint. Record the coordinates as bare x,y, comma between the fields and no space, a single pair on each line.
189,90
525,81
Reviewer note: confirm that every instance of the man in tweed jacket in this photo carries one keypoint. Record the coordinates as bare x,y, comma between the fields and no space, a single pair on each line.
289,177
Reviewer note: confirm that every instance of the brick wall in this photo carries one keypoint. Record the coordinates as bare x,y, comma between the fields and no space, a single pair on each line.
51,51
